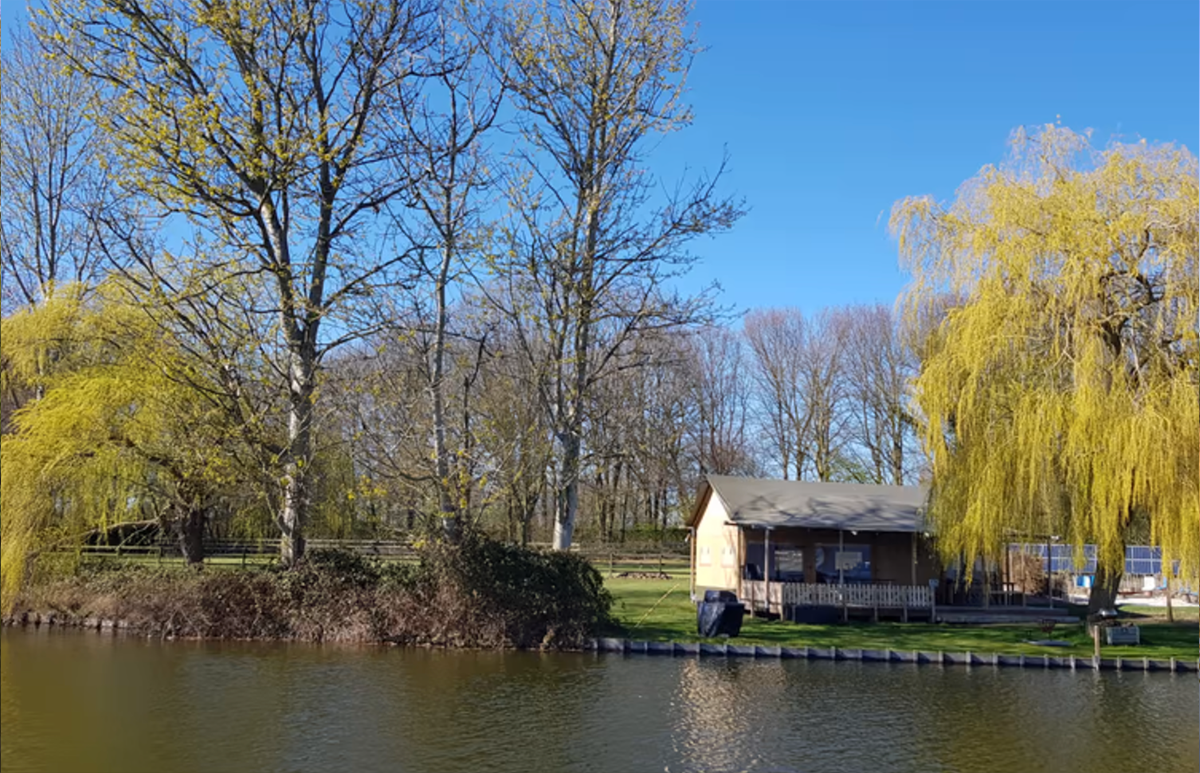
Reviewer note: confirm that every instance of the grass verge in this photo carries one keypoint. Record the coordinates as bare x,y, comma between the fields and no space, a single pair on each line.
660,610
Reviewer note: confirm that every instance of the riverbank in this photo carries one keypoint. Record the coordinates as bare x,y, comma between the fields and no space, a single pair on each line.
508,600
661,611
480,594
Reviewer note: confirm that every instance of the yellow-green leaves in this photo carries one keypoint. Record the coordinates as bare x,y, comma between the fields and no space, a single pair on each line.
117,430
1059,391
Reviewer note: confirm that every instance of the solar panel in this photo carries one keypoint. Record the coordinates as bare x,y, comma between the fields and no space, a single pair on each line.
1139,559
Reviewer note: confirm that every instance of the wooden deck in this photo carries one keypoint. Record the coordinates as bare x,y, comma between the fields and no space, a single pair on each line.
890,598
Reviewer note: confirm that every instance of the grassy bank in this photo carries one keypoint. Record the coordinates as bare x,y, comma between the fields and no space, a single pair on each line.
501,597
660,610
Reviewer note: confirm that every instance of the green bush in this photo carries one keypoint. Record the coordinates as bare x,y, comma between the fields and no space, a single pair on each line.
516,596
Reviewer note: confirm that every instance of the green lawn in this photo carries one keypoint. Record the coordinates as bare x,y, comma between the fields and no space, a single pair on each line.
660,610
1159,614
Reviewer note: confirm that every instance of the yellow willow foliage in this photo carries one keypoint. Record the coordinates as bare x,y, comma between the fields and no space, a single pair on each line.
1058,387
82,455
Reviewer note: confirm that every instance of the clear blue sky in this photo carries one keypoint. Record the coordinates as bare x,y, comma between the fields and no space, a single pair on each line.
831,111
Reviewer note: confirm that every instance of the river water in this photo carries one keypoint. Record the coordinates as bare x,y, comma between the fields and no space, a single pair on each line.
79,702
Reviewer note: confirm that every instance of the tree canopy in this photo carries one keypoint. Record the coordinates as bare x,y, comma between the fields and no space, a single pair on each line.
119,433
1058,392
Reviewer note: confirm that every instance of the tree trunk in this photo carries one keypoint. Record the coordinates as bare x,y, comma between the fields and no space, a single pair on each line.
1104,590
567,505
897,452
451,528
190,528
1170,609
296,482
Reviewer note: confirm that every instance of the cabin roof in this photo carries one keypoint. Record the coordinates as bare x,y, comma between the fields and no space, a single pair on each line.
759,502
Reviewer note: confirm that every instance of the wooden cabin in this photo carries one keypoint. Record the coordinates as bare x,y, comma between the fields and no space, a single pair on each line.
805,550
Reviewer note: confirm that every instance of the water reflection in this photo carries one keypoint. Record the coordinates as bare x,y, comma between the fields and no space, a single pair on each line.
84,702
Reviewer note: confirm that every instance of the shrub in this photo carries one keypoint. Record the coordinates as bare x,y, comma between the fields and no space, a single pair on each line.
478,594
514,596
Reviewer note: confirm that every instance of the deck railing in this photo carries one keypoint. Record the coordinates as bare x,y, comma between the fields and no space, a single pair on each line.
856,596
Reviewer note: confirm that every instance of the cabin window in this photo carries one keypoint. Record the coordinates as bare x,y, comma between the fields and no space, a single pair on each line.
789,565
705,557
850,562
728,556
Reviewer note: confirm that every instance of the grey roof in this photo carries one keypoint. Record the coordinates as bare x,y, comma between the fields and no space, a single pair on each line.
760,502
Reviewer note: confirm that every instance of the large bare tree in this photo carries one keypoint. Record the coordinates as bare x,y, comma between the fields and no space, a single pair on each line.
443,133
261,124
589,244
776,340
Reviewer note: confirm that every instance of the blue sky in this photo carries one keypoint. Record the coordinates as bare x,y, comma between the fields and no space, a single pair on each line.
831,111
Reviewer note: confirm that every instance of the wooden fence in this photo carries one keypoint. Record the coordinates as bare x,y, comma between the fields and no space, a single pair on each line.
645,558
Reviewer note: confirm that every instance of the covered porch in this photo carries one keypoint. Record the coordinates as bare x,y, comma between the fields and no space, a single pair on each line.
853,572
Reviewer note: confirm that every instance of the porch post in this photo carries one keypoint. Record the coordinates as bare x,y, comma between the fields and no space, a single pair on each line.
767,565
841,573
913,580
841,549
914,559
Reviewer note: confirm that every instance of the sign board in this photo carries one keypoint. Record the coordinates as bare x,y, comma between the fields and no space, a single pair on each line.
789,561
847,560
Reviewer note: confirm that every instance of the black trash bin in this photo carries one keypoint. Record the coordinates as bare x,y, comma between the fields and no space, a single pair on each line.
719,614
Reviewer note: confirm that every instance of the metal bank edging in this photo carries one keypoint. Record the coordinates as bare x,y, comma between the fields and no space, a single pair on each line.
916,657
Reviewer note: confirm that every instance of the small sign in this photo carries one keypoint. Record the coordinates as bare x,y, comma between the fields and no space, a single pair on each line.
789,561
847,560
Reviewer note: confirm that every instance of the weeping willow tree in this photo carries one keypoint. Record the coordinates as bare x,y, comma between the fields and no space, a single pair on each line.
1059,387
119,433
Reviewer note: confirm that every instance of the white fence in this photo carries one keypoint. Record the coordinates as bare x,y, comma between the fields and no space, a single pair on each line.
856,596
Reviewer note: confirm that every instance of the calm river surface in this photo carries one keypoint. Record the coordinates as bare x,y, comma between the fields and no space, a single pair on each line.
79,702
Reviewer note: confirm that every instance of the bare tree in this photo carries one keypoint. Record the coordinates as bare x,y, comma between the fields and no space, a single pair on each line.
262,124
516,444
822,395
776,340
442,133
878,367
54,180
719,391
801,389
593,84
